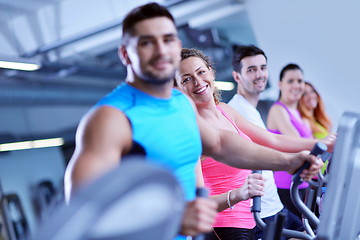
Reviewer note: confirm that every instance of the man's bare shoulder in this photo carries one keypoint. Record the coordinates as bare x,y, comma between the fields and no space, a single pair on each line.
106,124
104,115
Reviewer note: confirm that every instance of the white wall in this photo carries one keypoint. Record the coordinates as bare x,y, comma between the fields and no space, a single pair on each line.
322,37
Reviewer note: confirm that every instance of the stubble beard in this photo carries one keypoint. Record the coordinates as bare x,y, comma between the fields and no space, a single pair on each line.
158,77
262,89
155,79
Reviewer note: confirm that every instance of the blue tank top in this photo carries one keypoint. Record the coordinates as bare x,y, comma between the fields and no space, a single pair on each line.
166,129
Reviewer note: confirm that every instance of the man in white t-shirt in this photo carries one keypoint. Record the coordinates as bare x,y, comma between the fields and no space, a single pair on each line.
251,74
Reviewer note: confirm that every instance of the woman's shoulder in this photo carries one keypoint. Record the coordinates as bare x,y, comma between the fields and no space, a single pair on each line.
277,116
277,108
224,106
230,111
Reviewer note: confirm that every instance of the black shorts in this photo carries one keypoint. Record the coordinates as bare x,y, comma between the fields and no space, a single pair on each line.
230,233
291,222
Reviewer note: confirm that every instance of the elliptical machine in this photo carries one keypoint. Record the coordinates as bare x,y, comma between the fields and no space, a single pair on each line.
135,201
274,230
340,214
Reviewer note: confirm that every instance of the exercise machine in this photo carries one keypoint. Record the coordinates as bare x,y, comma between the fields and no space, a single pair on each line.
133,202
340,210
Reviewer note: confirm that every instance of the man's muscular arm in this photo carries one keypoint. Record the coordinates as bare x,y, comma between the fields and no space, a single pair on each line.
103,136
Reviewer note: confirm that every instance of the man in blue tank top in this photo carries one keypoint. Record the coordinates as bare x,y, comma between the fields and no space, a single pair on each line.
147,115
177,116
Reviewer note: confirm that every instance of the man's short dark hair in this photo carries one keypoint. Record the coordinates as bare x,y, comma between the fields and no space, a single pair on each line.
242,51
138,14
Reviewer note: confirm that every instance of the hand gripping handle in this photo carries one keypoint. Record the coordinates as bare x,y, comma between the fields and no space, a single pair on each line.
319,148
201,192
256,207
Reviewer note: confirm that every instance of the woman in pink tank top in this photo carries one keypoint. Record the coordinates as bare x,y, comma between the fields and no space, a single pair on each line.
230,187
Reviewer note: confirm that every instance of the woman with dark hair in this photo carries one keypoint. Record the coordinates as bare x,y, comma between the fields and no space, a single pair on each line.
284,118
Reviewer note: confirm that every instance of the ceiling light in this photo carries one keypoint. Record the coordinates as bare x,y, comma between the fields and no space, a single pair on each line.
224,86
17,63
43,143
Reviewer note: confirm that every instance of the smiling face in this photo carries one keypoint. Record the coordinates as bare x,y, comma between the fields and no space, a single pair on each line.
292,86
310,98
254,74
196,80
153,50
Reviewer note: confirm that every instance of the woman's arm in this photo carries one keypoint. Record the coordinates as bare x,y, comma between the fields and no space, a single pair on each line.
279,142
253,186
279,119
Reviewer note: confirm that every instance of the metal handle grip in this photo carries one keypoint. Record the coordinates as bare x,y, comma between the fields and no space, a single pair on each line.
201,192
256,207
318,149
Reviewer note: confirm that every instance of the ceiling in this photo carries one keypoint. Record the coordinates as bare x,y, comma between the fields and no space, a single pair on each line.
76,43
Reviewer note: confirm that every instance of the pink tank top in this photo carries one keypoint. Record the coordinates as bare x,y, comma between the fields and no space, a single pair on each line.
220,178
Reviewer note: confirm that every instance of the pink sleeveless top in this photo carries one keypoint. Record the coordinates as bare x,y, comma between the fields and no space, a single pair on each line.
283,179
220,178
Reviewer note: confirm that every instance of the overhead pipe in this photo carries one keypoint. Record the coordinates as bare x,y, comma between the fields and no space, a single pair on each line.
66,41
94,71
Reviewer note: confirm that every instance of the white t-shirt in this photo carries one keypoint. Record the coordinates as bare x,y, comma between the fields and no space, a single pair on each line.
270,202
